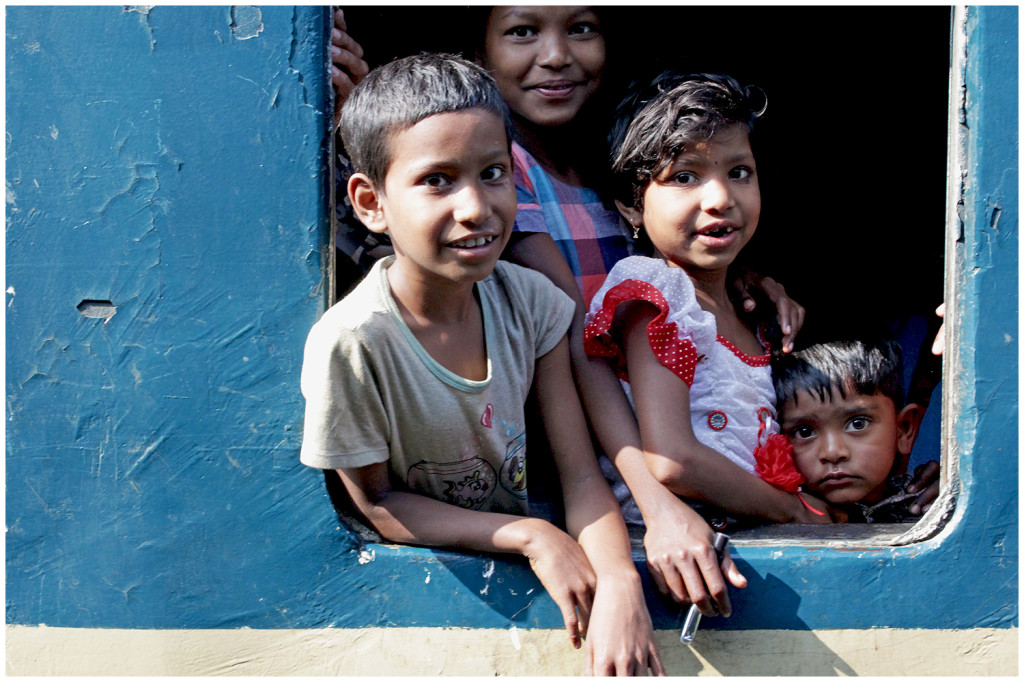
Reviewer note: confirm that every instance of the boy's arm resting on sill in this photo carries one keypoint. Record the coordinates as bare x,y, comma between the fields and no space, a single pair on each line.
679,544
620,632
674,455
410,518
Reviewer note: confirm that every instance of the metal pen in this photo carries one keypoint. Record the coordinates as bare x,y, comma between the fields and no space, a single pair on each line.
693,615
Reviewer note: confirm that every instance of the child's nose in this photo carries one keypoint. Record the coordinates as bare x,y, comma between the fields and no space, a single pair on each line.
834,449
471,205
717,196
554,52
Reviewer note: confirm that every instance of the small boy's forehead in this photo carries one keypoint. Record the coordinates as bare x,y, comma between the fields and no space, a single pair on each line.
830,401
823,395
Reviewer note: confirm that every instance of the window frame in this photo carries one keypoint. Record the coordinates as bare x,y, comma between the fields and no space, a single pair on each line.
795,558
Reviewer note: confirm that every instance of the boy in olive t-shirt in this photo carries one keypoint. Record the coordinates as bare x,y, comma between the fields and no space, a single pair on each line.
415,384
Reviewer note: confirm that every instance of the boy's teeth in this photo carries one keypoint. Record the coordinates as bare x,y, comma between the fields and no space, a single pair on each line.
470,243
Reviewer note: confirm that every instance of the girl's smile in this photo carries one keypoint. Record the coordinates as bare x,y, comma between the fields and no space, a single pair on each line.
718,235
556,90
703,208
547,61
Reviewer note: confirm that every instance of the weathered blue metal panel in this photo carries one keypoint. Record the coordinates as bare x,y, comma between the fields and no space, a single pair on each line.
168,161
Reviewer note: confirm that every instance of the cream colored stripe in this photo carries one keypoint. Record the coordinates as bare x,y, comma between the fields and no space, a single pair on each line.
438,651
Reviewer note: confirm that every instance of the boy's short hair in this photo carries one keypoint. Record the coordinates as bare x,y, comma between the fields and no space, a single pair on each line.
400,94
657,121
865,367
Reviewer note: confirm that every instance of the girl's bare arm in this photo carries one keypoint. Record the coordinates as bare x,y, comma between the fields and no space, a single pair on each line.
674,455
679,544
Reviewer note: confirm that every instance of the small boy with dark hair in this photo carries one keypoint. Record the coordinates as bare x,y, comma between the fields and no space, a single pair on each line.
415,382
842,406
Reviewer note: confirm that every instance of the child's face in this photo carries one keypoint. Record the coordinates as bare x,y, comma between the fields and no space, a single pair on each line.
449,201
703,209
844,447
547,60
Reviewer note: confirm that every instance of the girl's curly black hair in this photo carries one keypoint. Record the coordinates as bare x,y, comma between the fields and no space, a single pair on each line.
658,120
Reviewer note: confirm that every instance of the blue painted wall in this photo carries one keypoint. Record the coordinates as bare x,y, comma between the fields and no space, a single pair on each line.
170,162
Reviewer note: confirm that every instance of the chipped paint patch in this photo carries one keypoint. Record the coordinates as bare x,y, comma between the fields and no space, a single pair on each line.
246,22
488,572
366,556
97,309
513,634
143,11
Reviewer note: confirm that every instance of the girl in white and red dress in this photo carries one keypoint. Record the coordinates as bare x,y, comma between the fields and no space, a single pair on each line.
697,375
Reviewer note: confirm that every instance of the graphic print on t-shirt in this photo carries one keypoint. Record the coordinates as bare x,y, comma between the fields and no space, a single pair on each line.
513,471
468,483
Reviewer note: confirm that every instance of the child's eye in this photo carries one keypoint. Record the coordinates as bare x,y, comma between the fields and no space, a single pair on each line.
583,27
521,31
436,180
493,174
857,424
802,431
741,173
685,178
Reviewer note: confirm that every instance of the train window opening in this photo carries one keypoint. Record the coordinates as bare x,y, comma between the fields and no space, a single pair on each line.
853,167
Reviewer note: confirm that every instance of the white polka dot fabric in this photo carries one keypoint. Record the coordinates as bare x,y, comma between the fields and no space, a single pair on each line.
730,392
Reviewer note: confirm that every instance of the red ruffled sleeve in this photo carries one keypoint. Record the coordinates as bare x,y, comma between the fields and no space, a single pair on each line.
679,355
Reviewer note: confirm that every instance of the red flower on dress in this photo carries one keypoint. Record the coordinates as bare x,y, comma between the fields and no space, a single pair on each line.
774,463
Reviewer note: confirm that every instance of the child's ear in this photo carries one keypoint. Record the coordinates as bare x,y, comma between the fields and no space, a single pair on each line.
908,423
633,216
367,202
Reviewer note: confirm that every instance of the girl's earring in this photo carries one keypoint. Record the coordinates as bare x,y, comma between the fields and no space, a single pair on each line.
636,230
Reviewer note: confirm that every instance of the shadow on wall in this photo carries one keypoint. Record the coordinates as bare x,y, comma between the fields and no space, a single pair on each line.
514,593
713,648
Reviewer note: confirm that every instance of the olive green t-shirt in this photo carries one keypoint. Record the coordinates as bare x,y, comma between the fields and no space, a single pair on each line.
373,393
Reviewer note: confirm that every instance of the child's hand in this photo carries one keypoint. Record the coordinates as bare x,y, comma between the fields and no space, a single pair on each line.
790,313
681,558
620,639
940,337
811,509
562,567
926,479
347,65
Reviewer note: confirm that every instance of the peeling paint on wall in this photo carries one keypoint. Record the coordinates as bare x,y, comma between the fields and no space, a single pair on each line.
143,11
152,458
157,230
246,22
103,310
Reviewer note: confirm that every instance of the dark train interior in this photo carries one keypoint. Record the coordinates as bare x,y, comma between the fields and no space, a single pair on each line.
852,154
